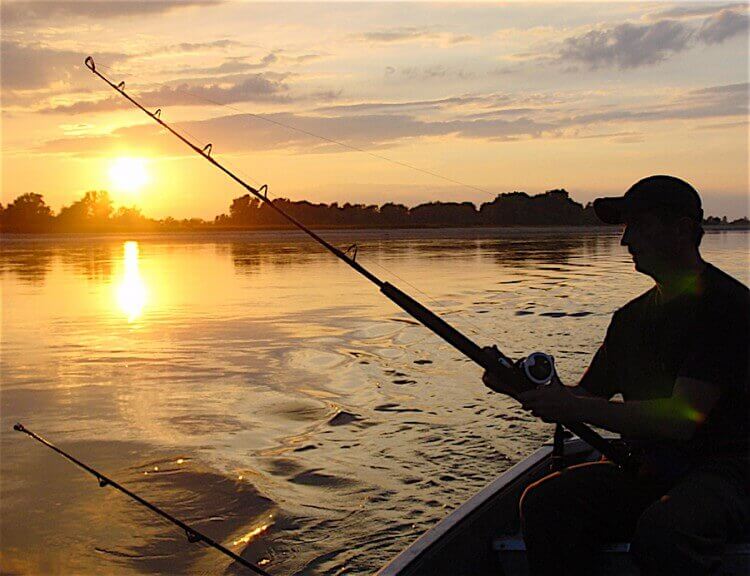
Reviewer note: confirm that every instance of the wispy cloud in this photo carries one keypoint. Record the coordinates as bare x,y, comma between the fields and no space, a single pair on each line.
17,13
692,10
408,105
412,34
35,66
251,88
232,65
374,130
187,47
370,131
704,103
433,72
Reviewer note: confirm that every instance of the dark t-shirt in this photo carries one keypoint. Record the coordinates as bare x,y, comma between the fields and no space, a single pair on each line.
702,334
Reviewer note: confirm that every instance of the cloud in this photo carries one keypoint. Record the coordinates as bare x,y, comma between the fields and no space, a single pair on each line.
460,38
412,34
251,88
87,106
500,112
185,47
630,45
723,25
230,133
302,58
692,10
33,66
711,102
725,100
378,125
724,125
433,72
14,13
409,105
626,45
233,65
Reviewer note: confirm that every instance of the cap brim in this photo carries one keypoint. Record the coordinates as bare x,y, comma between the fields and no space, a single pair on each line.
610,210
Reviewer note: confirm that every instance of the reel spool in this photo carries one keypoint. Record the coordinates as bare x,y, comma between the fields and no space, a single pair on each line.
538,367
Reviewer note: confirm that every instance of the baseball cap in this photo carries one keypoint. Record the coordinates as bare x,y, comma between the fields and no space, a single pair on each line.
655,193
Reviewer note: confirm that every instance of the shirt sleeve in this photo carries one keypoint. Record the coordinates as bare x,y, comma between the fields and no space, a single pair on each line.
600,379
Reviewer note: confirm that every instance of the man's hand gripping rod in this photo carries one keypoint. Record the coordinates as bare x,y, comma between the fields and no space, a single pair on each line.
521,374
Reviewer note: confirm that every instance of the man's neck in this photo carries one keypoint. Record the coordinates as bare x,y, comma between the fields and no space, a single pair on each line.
681,280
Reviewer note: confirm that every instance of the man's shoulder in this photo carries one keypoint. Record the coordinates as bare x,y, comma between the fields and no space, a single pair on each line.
716,294
724,302
635,307
720,285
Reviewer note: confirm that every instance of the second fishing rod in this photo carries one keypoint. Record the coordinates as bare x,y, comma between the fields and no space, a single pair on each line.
537,369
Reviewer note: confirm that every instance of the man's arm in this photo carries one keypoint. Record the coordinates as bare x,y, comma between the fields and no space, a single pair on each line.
581,392
676,417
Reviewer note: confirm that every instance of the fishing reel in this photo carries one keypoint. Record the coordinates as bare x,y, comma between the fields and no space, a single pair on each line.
532,371
538,368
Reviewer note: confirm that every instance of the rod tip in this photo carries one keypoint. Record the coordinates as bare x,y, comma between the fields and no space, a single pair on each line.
89,61
18,427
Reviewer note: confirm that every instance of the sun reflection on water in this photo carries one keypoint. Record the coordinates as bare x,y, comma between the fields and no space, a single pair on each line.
265,525
131,291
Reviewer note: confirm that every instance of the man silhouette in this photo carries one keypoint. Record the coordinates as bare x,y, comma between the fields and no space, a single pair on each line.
678,356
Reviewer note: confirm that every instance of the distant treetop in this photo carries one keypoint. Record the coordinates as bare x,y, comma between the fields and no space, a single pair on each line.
94,212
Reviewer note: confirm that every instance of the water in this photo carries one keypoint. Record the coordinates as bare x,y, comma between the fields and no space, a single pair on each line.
257,388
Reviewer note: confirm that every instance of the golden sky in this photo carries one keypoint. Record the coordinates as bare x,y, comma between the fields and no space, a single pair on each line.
514,96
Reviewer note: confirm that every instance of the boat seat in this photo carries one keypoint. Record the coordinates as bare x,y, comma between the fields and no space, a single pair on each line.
615,559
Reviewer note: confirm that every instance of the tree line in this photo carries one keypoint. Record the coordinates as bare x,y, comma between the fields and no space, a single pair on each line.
95,212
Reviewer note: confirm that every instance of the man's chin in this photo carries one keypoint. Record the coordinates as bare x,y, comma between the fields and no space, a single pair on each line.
643,267
638,263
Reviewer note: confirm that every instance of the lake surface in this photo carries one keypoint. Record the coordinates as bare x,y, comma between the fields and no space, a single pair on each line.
260,390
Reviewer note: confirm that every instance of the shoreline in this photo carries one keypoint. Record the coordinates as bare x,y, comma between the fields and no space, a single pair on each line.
229,231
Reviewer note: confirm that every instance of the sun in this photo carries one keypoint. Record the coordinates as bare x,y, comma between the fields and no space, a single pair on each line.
128,174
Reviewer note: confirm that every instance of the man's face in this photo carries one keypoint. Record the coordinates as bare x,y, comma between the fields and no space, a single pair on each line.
653,245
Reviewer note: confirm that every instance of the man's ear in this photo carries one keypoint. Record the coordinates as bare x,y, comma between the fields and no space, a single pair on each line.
685,229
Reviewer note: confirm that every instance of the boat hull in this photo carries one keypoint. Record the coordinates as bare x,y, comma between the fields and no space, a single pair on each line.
482,535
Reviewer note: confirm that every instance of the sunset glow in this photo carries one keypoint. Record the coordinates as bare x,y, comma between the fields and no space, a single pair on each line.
128,174
491,98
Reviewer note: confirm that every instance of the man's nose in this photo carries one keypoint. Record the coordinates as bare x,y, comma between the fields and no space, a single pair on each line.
625,239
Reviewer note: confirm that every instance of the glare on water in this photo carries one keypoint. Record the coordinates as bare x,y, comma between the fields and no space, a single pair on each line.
131,289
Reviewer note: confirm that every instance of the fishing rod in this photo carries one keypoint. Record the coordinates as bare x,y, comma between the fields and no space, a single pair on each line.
193,535
536,369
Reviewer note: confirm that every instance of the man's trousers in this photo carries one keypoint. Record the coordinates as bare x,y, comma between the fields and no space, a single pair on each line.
673,529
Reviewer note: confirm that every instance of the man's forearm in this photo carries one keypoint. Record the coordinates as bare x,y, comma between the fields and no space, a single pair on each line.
663,418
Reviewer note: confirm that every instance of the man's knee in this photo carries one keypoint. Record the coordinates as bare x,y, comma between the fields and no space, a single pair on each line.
654,536
662,545
539,502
